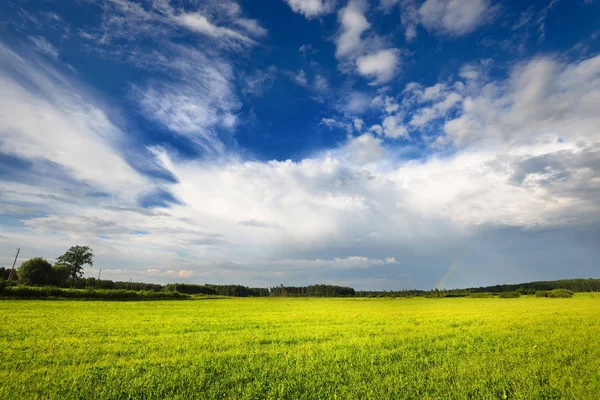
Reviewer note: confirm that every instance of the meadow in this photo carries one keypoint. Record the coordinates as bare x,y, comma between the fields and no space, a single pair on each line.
302,348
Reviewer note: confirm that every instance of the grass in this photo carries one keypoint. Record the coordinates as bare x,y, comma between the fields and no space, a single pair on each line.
466,348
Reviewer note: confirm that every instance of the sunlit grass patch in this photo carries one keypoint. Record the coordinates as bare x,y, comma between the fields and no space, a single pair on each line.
528,348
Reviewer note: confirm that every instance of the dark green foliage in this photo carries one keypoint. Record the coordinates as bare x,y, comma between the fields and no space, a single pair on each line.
60,275
107,284
4,273
190,289
29,292
35,271
219,290
75,258
509,295
238,290
482,295
556,293
394,293
574,285
560,293
313,291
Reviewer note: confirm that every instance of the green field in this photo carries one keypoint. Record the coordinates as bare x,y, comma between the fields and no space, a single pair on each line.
527,348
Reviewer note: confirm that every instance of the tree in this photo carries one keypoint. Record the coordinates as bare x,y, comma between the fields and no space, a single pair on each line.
4,273
35,271
75,258
60,275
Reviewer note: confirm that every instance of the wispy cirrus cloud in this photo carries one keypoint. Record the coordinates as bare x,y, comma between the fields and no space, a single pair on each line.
192,91
43,46
128,19
197,101
43,118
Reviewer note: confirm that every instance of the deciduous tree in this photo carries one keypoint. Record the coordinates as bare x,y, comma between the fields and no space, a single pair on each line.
75,258
35,271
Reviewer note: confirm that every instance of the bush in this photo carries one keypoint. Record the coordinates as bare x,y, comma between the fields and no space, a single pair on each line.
35,271
482,295
59,275
30,292
188,288
560,293
541,293
510,295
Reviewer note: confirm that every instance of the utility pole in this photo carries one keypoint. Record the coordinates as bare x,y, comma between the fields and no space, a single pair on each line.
97,280
13,267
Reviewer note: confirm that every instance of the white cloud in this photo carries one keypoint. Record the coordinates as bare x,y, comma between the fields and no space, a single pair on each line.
527,156
321,83
312,8
433,92
437,110
358,124
199,23
367,54
454,17
334,123
449,17
307,49
393,128
43,117
387,103
351,262
198,104
182,273
258,82
364,149
377,129
543,98
352,26
410,18
44,46
381,65
221,21
191,92
251,26
356,102
300,78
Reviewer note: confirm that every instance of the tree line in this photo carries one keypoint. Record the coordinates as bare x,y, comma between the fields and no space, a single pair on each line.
313,291
67,272
39,272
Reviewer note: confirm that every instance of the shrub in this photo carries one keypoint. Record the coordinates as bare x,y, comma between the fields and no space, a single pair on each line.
59,275
30,292
482,295
188,288
510,295
541,293
560,293
35,271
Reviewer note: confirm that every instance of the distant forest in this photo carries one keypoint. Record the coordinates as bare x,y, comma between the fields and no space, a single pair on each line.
574,285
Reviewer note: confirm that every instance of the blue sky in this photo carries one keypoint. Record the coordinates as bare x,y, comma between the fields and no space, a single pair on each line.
370,144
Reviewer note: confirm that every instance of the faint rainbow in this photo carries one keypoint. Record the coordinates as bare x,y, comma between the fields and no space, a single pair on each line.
451,269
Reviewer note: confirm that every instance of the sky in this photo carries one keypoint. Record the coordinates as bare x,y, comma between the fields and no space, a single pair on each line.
391,144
